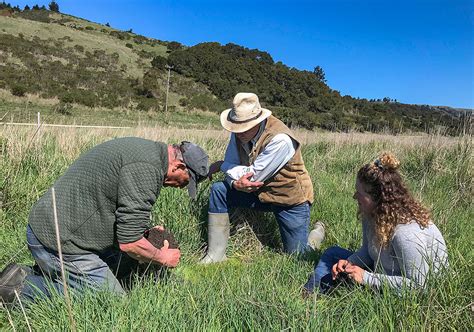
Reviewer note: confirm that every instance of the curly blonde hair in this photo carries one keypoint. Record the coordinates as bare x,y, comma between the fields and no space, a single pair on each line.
394,203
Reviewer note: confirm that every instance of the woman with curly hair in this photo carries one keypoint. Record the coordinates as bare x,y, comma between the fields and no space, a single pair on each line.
400,246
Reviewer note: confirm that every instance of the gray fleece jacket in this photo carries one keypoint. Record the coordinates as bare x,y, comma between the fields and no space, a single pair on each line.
104,198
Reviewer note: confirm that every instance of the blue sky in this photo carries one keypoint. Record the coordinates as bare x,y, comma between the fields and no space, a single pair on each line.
416,51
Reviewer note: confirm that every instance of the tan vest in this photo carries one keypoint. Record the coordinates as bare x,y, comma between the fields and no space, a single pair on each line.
291,185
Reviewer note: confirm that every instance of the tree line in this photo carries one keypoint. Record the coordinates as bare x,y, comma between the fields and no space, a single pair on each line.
302,98
53,6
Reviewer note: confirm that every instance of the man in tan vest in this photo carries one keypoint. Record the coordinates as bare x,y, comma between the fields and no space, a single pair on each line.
264,171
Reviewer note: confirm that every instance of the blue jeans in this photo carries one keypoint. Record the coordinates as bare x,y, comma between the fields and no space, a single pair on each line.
322,276
293,221
83,270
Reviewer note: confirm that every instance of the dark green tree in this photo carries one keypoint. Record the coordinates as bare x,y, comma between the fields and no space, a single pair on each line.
320,75
4,5
54,7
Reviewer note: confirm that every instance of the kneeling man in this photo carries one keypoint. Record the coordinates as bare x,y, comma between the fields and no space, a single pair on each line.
104,201
264,171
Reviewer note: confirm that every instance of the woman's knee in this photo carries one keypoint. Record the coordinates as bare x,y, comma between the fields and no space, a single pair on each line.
332,252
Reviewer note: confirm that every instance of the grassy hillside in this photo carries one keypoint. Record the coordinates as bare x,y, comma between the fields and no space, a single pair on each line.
78,62
88,37
258,288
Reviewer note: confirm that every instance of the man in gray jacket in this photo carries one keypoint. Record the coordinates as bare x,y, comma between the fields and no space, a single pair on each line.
104,201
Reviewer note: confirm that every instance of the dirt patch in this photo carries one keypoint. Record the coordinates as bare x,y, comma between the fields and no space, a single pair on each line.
157,238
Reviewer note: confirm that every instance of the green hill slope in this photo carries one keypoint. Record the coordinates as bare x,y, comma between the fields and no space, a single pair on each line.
81,62
56,55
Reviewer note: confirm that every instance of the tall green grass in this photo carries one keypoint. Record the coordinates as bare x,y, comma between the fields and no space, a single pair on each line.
258,288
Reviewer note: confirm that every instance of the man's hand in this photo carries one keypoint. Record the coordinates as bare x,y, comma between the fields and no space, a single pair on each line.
355,273
245,185
168,257
214,168
339,267
143,251
165,255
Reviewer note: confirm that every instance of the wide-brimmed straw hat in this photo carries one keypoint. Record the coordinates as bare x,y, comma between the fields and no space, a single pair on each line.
245,114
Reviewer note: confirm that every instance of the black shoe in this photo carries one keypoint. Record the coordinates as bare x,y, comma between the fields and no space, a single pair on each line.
11,279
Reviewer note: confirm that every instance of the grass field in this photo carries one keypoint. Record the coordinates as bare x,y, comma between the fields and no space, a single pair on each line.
258,288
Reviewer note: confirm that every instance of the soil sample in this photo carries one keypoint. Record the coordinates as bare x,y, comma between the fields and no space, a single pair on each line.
157,238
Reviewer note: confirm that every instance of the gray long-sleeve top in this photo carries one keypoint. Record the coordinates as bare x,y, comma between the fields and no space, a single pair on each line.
412,254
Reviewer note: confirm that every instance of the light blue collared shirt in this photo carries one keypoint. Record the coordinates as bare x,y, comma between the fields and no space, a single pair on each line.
273,157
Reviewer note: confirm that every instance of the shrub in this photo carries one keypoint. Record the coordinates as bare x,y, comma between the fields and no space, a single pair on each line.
66,98
88,98
173,46
115,56
18,90
79,48
129,45
145,54
148,104
184,102
66,38
39,15
159,62
119,35
205,102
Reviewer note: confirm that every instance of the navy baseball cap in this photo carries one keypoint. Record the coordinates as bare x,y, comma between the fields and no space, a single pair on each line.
197,162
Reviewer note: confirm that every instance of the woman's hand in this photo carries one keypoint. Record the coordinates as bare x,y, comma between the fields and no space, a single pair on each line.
339,267
355,273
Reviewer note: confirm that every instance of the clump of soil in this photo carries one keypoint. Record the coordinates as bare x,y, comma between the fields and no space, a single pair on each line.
157,238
